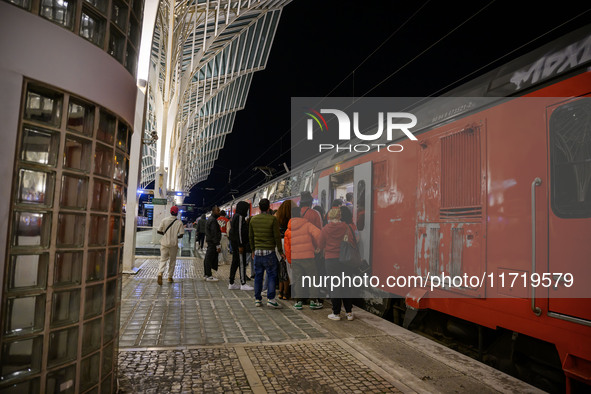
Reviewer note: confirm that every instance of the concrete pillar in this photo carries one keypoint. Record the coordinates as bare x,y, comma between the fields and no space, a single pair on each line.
133,184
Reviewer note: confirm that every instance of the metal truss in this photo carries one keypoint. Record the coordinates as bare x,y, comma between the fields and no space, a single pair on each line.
204,53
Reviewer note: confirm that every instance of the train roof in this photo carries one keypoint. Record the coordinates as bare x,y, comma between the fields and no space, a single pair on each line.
560,57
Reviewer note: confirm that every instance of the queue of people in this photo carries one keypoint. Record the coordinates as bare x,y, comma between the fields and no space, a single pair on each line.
284,246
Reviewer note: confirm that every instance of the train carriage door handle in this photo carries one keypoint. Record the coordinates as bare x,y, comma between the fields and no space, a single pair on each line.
537,182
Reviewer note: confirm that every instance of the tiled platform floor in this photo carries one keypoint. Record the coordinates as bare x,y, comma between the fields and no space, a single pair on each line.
193,336
191,311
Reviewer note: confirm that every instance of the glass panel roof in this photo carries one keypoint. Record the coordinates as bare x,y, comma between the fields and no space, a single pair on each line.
218,45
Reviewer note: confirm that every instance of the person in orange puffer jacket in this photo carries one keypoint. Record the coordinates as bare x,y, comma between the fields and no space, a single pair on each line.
302,240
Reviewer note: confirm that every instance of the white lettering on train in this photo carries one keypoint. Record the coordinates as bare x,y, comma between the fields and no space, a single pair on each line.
555,63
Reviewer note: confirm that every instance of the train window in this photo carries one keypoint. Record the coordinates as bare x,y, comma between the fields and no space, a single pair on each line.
361,205
271,193
307,181
263,193
295,184
280,192
570,159
255,199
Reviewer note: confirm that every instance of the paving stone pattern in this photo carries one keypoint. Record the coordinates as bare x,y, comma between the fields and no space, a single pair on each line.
321,367
186,371
193,336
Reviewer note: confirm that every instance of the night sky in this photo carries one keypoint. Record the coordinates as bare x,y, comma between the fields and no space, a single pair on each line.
319,43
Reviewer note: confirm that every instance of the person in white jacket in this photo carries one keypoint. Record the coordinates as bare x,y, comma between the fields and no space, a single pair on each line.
171,229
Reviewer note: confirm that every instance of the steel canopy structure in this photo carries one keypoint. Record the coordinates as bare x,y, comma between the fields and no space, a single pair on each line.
202,60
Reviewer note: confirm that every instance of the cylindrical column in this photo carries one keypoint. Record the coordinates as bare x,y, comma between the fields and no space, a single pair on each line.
67,109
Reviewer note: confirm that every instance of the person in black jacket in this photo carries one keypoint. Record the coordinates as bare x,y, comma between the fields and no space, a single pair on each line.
200,232
213,237
239,241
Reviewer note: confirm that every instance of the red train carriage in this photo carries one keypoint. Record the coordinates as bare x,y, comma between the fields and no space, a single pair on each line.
489,189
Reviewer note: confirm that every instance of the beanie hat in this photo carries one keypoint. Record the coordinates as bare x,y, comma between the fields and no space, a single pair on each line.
306,198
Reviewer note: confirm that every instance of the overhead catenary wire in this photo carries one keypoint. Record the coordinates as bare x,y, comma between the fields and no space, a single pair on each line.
510,52
429,47
488,64
407,20
388,77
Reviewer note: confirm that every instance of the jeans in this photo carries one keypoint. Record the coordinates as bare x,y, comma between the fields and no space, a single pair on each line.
266,263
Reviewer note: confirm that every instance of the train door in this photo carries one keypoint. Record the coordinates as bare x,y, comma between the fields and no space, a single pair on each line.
569,209
355,183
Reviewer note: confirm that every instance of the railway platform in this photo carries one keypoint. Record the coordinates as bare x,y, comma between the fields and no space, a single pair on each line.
197,336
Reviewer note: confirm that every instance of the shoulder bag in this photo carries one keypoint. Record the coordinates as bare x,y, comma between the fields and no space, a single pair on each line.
349,252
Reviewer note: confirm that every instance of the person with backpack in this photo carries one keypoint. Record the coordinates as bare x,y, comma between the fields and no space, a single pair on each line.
335,232
283,215
171,229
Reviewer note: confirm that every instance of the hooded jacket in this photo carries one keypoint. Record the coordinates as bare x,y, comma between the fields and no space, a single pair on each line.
332,235
238,227
302,238
201,224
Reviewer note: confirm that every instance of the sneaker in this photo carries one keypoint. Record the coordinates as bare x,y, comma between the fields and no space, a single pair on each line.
316,305
273,304
298,305
234,286
170,280
212,279
160,280
350,316
258,303
264,293
332,316
246,287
